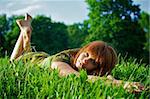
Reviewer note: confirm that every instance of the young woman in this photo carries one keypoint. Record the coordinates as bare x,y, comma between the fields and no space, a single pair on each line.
97,58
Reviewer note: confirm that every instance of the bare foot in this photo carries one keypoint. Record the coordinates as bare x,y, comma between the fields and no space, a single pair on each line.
26,29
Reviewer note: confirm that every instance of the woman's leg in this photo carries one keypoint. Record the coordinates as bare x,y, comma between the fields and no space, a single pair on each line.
18,49
23,43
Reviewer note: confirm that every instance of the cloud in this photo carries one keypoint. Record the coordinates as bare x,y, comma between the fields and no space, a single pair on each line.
67,11
9,5
18,8
28,9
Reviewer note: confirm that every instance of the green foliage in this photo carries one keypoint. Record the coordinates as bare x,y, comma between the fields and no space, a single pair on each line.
130,69
116,22
11,35
77,34
48,36
3,29
3,24
20,80
144,22
2,40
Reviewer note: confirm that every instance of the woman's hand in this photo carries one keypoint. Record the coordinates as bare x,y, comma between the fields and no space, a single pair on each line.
134,87
92,78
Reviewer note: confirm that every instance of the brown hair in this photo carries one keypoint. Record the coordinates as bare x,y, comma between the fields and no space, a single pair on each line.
104,55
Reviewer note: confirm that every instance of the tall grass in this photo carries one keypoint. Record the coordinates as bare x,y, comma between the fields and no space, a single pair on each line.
20,80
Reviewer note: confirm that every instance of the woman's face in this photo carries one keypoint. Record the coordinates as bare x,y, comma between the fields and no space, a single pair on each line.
85,61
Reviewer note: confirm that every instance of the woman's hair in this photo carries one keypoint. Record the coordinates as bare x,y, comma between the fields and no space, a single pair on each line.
104,55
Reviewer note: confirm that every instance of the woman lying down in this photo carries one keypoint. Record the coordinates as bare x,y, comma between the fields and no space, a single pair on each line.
97,58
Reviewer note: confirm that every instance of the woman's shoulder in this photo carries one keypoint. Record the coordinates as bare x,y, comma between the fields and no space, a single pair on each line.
70,51
66,55
63,56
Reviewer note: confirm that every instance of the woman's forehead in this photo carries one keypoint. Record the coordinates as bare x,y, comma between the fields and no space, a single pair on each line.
91,54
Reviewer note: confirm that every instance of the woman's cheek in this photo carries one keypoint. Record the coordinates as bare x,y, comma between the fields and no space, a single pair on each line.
78,65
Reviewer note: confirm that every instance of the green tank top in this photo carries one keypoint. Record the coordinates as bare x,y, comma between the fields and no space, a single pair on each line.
44,60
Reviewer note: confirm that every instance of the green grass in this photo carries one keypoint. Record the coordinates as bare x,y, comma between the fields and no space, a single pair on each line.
29,81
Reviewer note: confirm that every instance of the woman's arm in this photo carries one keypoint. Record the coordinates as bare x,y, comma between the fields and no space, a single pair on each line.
133,87
65,70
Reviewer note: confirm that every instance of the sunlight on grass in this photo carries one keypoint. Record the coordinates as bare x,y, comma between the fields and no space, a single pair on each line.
20,80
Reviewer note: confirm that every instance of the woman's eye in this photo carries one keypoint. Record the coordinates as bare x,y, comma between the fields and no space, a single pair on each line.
86,54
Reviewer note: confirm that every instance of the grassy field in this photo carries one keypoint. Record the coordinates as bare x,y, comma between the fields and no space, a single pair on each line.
29,81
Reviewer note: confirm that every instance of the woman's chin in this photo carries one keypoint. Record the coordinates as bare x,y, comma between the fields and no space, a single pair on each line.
79,67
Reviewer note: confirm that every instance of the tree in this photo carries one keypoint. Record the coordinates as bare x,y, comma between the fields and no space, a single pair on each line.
116,22
11,34
144,22
48,36
3,30
2,40
77,34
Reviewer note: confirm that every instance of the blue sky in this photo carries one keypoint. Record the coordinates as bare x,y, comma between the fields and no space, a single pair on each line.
67,11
